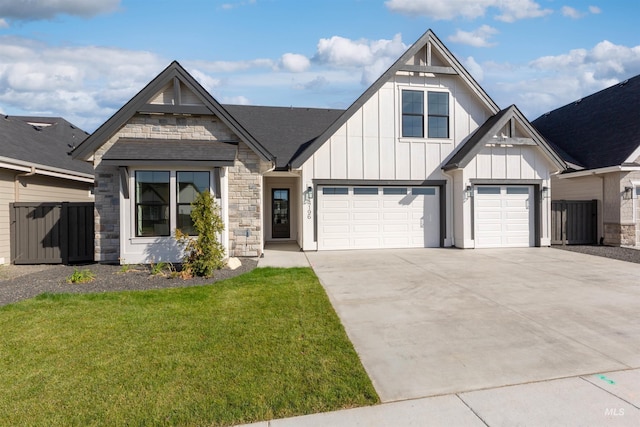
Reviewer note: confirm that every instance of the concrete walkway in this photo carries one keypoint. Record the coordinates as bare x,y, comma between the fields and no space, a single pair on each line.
608,399
283,254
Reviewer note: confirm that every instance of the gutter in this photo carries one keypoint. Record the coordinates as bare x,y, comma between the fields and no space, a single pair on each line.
609,169
6,162
16,183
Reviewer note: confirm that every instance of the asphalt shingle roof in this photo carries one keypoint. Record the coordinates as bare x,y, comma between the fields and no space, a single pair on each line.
42,145
600,130
284,131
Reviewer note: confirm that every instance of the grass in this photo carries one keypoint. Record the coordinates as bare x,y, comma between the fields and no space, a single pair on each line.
263,345
81,276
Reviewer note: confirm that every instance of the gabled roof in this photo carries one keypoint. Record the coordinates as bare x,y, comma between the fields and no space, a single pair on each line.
427,39
486,133
42,142
600,130
284,131
140,103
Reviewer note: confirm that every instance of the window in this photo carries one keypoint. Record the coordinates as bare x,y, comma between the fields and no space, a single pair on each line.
189,185
163,200
438,108
488,190
365,190
517,190
152,203
412,113
394,190
426,191
335,190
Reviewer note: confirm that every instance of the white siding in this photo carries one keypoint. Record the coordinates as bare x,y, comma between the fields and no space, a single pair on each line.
6,197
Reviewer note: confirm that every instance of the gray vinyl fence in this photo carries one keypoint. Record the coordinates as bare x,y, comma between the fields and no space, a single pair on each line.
574,222
51,233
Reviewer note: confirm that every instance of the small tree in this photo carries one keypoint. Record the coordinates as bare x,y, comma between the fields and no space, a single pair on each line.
203,254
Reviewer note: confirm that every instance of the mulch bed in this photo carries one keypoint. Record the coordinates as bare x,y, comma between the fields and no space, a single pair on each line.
614,252
19,282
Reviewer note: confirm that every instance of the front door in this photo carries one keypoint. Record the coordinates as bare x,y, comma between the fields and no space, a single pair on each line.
280,228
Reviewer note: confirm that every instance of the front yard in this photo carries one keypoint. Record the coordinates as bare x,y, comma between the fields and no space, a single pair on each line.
263,345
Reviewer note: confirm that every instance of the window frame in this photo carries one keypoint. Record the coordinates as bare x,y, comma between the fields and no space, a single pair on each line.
412,114
426,115
173,199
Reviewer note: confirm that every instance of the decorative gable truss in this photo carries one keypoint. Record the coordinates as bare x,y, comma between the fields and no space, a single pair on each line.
176,128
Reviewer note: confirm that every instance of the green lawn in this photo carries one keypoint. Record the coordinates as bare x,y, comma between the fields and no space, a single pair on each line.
263,345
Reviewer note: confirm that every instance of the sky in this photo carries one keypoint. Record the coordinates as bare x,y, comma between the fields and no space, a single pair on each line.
84,59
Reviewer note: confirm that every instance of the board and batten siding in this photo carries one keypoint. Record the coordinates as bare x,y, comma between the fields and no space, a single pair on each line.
369,145
511,164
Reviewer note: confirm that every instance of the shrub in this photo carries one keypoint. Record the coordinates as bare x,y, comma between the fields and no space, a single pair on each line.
203,254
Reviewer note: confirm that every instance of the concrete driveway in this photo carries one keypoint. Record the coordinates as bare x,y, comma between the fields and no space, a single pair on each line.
429,322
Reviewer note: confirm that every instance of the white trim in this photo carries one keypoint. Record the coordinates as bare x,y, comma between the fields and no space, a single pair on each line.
633,156
425,114
23,166
599,171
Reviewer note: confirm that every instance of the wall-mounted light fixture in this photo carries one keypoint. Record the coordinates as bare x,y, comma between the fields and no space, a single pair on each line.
310,192
545,192
628,193
468,192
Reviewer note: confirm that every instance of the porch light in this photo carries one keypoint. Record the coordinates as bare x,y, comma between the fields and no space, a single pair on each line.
628,193
545,192
310,192
468,192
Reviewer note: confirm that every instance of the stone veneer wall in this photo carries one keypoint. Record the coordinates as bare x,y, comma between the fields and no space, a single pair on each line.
244,183
245,207
619,234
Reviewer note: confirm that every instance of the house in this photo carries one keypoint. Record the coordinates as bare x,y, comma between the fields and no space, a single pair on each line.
599,138
423,158
35,167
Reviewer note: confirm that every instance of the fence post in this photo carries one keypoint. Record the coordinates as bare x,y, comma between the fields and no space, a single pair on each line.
64,233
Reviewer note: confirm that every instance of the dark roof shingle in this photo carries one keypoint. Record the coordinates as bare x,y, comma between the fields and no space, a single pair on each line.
600,130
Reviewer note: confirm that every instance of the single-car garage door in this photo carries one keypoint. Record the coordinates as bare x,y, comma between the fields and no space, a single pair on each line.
504,216
369,217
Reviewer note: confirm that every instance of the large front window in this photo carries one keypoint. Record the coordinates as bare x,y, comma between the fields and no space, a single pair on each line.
163,200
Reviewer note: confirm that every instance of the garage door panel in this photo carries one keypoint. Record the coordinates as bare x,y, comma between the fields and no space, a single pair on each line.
503,216
368,217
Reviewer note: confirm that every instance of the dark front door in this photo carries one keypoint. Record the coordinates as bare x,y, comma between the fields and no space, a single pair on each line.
280,228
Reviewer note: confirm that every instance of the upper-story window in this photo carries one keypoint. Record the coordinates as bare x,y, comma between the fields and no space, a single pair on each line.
413,114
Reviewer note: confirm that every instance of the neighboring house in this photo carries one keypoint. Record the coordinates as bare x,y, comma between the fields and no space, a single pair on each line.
599,137
424,158
35,167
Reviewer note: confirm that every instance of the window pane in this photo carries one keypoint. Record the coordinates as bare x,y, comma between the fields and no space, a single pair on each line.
412,102
412,126
335,190
488,190
190,184
438,127
365,190
429,191
152,203
517,190
394,190
438,103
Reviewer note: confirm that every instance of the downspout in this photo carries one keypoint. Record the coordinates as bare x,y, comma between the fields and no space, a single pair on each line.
16,183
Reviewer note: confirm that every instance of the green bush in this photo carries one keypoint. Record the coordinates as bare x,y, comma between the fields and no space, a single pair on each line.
81,276
203,254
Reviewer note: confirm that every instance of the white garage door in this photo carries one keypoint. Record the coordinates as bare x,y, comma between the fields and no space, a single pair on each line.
504,216
378,217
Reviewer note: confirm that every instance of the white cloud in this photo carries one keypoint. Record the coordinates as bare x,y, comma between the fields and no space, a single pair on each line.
372,56
595,10
550,82
477,38
235,66
295,63
47,9
571,12
235,100
474,68
3,23
509,10
208,82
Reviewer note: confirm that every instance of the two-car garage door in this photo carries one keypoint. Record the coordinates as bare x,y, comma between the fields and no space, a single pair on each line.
368,217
